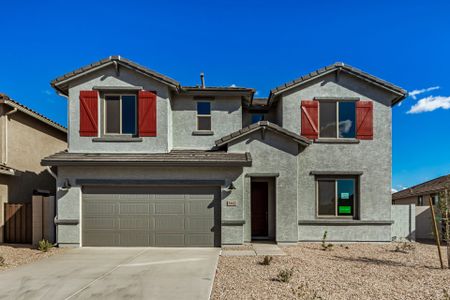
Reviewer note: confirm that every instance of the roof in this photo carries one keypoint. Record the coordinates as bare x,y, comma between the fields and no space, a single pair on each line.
59,82
173,158
341,67
14,104
259,126
5,170
432,186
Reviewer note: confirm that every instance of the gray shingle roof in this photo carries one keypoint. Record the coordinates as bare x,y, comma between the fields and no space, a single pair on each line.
173,158
344,67
14,104
262,125
432,186
114,59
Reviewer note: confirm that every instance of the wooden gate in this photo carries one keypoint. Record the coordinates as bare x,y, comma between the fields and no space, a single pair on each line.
18,223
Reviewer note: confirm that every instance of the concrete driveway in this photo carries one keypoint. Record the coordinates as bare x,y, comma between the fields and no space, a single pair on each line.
115,273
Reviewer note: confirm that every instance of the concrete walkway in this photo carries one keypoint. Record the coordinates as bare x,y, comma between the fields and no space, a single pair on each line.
254,249
115,273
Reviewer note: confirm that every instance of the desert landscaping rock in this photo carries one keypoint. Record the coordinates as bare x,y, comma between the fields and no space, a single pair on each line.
16,255
350,271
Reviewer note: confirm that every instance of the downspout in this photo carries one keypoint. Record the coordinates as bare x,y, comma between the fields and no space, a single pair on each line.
5,153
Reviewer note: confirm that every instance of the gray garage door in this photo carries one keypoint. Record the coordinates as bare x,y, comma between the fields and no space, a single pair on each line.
139,216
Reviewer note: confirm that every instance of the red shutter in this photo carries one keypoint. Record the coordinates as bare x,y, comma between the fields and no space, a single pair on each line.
364,120
310,119
88,113
147,113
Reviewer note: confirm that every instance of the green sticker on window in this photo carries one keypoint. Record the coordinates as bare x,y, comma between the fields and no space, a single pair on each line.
345,209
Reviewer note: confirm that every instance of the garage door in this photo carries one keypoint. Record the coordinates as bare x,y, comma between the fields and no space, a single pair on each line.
138,216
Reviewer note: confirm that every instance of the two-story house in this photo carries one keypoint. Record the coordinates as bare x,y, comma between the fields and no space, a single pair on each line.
154,163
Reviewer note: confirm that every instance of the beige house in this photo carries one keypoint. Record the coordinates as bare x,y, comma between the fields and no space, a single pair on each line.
420,193
25,138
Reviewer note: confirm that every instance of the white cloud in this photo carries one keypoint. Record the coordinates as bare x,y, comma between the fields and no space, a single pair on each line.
429,104
345,126
393,190
256,93
233,85
414,93
47,92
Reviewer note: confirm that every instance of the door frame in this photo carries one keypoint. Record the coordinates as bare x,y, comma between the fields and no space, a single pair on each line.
271,208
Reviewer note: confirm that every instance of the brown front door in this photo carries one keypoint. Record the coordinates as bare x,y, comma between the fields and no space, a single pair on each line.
260,208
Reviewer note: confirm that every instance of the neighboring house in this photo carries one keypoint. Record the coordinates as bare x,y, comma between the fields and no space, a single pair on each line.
421,193
154,163
25,138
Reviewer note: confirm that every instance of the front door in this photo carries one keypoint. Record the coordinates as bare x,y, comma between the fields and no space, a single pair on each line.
260,209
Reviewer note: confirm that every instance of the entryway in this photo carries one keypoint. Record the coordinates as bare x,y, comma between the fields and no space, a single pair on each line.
263,208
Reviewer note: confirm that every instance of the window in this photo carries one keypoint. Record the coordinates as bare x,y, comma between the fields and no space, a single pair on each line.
337,119
257,117
336,197
120,114
435,199
420,201
203,116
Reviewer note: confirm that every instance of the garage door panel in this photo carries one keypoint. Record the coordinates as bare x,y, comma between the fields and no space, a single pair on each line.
157,216
134,238
169,240
172,208
135,208
194,224
169,223
100,223
138,223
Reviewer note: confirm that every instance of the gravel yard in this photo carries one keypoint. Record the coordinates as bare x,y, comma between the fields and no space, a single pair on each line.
349,271
16,255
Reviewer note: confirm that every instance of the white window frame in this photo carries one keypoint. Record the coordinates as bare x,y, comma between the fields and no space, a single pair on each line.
120,116
337,119
355,198
200,116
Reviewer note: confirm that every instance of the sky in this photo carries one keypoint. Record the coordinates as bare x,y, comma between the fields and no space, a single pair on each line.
258,44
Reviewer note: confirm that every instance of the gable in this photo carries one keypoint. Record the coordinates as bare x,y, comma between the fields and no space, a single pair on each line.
339,71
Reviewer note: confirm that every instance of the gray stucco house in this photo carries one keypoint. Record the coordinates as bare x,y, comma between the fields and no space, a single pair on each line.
153,163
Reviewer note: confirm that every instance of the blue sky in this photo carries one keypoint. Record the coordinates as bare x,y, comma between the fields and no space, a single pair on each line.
247,43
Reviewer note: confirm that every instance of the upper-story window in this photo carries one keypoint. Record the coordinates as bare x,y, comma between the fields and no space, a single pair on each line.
257,117
120,114
203,115
337,119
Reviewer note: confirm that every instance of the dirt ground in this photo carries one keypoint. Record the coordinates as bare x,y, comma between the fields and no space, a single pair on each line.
15,255
348,271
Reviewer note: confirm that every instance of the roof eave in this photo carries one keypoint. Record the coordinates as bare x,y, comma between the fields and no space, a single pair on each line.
236,163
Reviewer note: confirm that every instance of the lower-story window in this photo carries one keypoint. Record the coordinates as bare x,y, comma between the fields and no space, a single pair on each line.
336,197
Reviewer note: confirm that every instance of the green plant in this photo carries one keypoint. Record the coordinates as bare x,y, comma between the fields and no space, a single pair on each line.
2,261
444,210
44,245
404,247
285,275
304,292
326,246
446,294
266,261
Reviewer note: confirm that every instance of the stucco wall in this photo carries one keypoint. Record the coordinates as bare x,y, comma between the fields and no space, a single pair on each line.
372,157
226,117
107,76
69,202
26,141
404,217
272,154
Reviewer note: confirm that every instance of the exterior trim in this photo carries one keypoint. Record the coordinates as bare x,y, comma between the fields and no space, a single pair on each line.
344,222
148,182
67,221
336,173
336,141
233,222
117,139
202,132
262,175
117,88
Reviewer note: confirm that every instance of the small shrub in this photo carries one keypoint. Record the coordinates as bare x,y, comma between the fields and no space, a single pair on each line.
325,246
44,245
304,292
2,261
285,275
266,261
404,247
